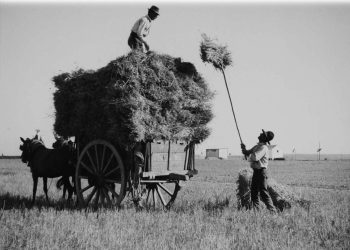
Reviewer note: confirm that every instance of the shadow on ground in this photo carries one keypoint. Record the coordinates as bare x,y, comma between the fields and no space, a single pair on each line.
17,202
9,201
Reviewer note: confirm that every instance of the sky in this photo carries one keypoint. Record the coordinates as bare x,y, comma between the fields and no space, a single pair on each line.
290,73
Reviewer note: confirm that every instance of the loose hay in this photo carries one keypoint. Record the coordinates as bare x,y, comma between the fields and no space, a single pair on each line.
213,53
135,97
282,196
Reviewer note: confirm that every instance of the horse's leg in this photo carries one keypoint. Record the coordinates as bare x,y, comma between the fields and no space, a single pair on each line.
45,189
74,191
74,188
70,189
64,190
35,184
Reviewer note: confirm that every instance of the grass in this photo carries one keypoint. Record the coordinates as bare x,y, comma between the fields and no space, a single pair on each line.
204,215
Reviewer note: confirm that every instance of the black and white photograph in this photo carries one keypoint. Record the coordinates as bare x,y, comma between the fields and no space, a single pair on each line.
174,124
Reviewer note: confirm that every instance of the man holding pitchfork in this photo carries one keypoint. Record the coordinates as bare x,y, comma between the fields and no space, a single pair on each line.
258,156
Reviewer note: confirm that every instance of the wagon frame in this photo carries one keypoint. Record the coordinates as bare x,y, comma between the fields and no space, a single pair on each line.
105,173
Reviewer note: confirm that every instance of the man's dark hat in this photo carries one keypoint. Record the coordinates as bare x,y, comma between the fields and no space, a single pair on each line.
155,9
269,136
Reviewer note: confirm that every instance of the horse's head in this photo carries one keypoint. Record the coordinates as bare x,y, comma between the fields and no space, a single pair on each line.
25,148
28,148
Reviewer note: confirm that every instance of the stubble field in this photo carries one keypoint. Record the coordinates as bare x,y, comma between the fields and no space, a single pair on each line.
204,215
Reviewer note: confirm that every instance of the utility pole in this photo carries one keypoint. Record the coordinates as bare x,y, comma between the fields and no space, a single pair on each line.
319,151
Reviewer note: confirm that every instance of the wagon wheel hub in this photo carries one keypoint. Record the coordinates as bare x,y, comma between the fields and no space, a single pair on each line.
99,181
151,186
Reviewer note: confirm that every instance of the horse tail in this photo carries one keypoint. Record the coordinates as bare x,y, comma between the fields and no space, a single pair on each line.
59,183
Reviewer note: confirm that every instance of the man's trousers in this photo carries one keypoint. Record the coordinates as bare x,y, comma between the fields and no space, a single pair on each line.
259,185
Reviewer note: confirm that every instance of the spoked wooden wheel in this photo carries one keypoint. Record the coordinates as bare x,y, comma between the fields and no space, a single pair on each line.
100,175
161,194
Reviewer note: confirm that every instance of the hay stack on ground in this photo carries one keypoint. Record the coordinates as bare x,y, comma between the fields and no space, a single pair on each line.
282,196
136,97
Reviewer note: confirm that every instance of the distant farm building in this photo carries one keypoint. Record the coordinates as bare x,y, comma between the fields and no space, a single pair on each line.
219,153
275,153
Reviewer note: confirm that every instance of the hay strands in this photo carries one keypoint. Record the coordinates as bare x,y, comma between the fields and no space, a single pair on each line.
135,97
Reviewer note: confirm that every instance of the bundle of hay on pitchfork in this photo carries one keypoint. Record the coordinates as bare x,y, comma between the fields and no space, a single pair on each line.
282,196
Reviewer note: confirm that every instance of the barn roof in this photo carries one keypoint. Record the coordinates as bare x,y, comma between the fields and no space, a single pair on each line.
215,148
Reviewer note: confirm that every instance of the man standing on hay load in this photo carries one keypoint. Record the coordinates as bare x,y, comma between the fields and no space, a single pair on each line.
259,158
141,29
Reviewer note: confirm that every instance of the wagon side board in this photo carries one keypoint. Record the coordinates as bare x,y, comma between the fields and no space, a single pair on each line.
174,160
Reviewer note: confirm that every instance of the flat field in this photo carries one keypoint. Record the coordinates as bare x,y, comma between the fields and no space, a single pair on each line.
204,216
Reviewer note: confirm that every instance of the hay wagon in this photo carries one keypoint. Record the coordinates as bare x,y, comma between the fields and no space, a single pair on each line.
151,107
105,173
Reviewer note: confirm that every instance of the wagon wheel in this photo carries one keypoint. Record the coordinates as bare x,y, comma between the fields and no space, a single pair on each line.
100,175
160,194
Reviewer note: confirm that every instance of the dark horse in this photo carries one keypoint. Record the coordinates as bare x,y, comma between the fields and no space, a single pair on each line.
60,143
47,163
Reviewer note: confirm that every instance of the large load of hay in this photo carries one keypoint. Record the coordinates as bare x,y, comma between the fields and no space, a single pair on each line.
134,98
282,196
